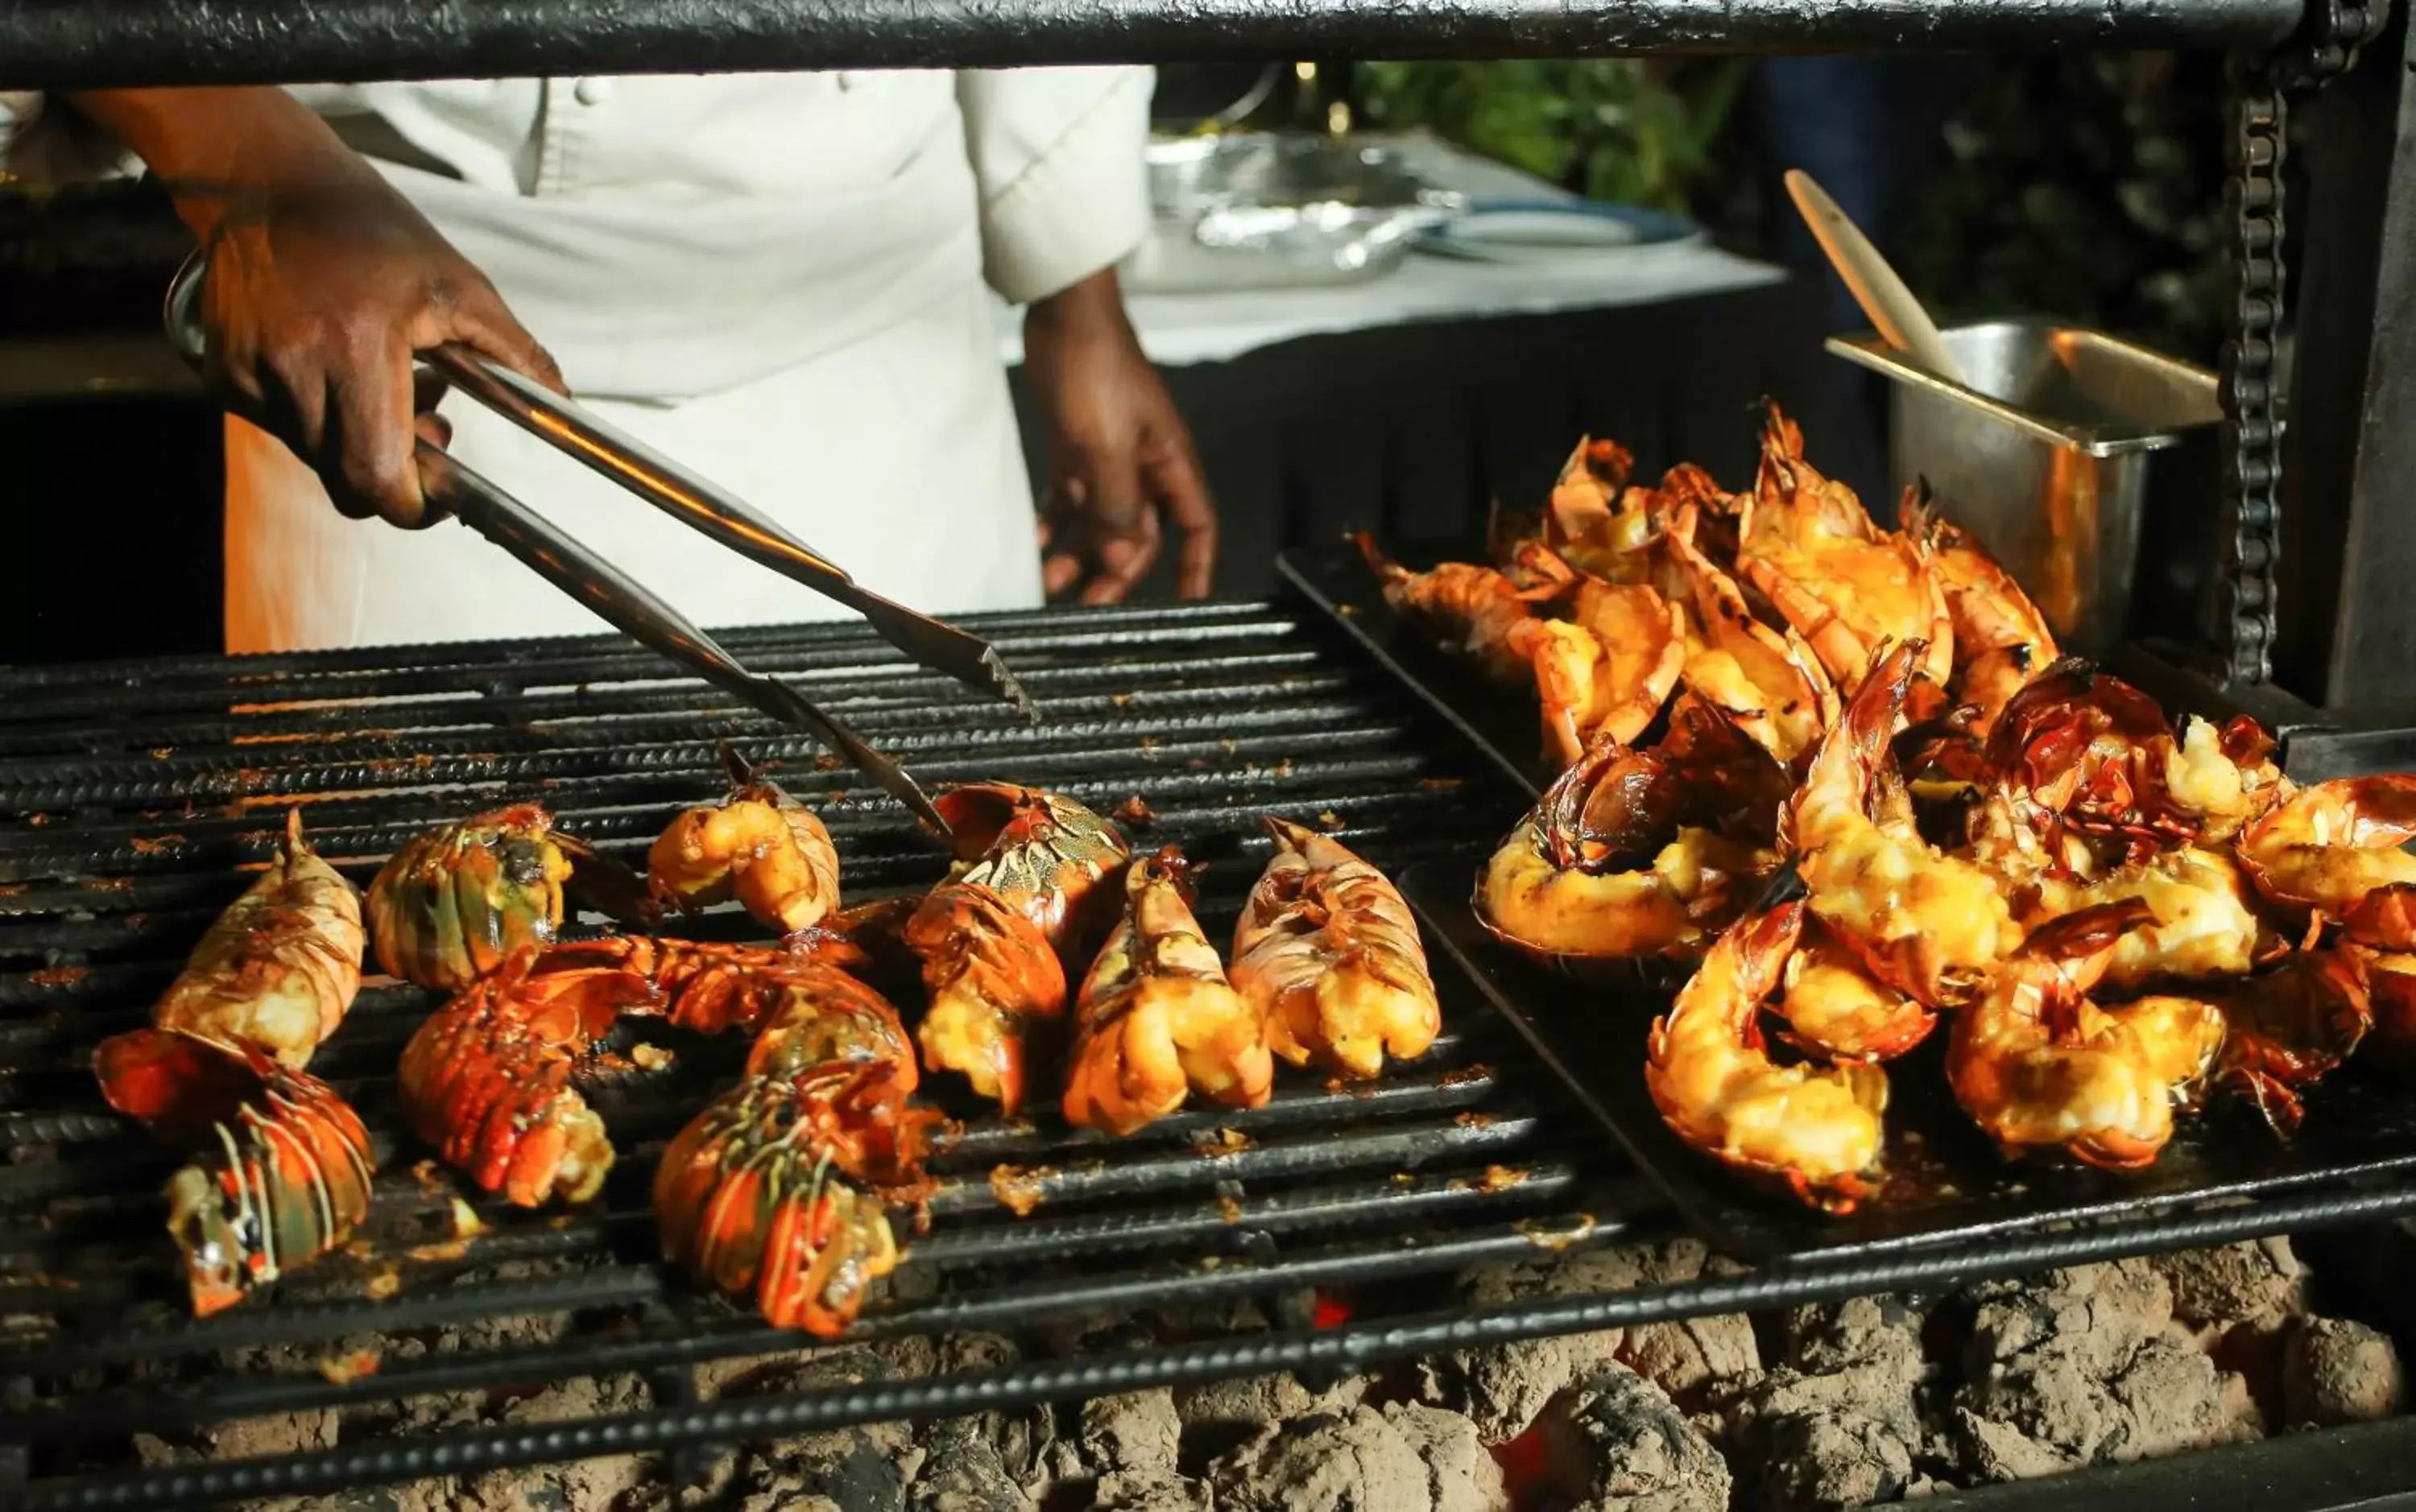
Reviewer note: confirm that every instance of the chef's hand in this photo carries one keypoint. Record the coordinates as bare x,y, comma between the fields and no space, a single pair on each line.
1119,459
321,283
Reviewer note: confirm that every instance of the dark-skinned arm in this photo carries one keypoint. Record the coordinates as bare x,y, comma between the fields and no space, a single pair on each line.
323,283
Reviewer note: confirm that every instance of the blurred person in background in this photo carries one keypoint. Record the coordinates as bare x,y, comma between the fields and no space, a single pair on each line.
782,280
1869,130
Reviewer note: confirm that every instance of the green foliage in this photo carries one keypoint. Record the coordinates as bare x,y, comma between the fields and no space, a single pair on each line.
2089,186
1614,128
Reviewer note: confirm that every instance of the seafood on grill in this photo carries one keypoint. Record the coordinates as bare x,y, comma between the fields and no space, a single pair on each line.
2001,637
280,969
2084,752
779,1191
281,1168
1608,668
1846,586
997,939
1327,954
1767,680
1813,1130
2038,1065
758,845
2390,988
1155,1019
2332,851
1633,854
1836,1009
281,1173
1923,921
2293,1026
1475,610
1595,522
457,902
496,1078
2203,925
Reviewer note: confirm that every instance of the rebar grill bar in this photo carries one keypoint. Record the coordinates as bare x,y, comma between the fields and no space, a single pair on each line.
133,796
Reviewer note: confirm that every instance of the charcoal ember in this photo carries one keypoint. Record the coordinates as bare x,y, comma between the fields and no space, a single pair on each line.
2088,1367
1354,1459
1022,1437
1837,1423
603,1482
1221,1416
2259,1281
1139,1492
1463,1476
1139,1433
962,1472
1503,1386
864,1468
1614,1442
2337,1371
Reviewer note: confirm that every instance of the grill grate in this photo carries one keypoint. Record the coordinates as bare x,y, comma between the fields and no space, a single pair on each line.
132,795
135,794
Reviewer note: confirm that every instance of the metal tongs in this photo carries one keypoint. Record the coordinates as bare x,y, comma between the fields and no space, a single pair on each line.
570,565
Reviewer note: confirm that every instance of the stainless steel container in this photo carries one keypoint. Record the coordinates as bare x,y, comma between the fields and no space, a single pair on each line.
2064,451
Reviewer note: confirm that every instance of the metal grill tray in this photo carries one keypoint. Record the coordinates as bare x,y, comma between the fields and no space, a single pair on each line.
1946,1187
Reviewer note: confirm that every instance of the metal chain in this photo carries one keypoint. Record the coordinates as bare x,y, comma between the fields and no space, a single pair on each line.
2252,444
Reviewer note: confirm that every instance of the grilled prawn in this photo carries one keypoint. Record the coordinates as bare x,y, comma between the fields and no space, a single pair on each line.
2037,1065
1837,1010
759,845
1767,680
1475,609
778,1191
1813,1130
1926,924
2201,928
456,902
2001,637
2294,1025
1609,866
1595,522
1326,952
2332,850
995,940
281,1172
1608,669
1156,1019
1846,586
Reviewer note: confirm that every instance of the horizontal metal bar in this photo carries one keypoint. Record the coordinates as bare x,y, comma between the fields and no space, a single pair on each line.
1351,1347
1423,1251
93,43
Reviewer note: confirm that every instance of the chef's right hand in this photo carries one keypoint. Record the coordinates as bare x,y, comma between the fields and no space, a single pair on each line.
323,283
316,300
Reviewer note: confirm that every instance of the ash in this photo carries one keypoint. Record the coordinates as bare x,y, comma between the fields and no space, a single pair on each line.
1869,1402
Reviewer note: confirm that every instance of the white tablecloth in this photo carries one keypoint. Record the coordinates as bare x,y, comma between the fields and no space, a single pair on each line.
1179,329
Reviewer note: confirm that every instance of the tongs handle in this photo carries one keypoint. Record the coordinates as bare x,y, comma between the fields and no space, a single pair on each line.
561,560
720,515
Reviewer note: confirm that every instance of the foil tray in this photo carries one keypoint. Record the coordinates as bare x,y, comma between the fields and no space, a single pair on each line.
1273,210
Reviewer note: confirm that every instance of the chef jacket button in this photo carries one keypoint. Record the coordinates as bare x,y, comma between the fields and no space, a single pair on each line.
592,91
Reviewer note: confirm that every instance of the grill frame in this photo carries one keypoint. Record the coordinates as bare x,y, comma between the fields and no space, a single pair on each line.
126,786
1474,1103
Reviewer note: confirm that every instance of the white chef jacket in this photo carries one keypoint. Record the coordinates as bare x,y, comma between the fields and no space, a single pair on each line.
778,278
